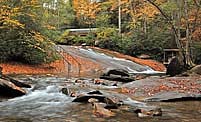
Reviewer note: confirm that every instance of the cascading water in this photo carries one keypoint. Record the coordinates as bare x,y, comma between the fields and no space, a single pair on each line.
109,62
45,102
42,102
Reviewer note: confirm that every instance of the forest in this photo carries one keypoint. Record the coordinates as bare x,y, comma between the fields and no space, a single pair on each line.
30,29
100,60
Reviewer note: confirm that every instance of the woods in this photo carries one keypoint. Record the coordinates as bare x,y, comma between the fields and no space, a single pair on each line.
147,27
100,60
21,36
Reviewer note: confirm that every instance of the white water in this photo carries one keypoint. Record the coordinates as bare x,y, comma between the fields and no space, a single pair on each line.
109,61
39,104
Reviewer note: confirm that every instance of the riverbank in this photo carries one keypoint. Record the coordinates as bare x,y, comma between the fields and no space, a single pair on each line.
19,68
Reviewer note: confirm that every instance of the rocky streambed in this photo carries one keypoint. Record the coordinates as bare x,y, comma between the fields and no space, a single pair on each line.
86,100
108,88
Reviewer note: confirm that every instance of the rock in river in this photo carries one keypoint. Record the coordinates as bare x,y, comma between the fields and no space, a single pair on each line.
8,89
120,72
175,67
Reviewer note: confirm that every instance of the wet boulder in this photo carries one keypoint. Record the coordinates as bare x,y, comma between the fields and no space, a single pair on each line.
16,82
99,109
105,82
95,92
119,72
117,78
85,98
68,92
175,67
9,89
141,112
117,75
65,91
97,95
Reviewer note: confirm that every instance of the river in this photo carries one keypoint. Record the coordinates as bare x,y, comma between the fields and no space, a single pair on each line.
44,102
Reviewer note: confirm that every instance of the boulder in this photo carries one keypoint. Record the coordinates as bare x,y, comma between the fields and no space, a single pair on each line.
196,70
16,82
98,96
95,92
148,113
117,75
120,72
85,98
65,91
175,67
116,78
99,110
8,89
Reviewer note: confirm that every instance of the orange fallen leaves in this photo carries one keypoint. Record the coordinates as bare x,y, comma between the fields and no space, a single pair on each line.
57,67
180,85
18,68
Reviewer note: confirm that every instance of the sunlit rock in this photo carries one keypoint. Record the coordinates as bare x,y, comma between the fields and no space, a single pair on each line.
148,113
196,70
99,109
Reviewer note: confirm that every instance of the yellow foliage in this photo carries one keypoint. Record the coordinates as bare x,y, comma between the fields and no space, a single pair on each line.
37,36
50,27
86,9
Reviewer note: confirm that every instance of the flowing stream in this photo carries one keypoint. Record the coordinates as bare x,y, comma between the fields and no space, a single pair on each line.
45,102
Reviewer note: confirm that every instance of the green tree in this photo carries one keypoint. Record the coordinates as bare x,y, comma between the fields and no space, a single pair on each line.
21,38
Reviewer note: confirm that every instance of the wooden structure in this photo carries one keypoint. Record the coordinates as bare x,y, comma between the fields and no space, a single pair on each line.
169,54
81,32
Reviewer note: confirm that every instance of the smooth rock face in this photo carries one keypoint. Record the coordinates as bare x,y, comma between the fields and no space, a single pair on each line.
8,89
196,70
173,96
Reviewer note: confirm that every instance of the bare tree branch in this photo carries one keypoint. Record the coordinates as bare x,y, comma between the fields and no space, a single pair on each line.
169,21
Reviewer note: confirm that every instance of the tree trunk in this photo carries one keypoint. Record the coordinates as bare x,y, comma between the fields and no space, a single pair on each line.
170,22
188,39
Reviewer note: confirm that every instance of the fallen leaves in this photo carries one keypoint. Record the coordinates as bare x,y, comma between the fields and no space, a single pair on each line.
180,85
